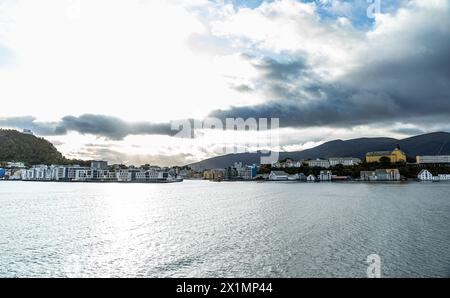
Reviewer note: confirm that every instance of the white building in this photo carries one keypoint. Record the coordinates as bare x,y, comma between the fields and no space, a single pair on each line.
278,176
425,175
345,161
436,159
289,163
84,174
325,176
321,163
39,173
152,176
124,176
444,177
311,178
93,174
381,175
13,164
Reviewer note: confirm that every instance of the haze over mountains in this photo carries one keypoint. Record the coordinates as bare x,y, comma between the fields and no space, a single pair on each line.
437,143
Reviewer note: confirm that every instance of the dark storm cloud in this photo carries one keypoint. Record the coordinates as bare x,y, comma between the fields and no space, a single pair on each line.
98,125
397,89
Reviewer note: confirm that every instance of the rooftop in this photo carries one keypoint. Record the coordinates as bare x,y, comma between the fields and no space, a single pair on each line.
378,153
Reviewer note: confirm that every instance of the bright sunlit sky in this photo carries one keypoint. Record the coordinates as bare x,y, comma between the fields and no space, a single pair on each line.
102,79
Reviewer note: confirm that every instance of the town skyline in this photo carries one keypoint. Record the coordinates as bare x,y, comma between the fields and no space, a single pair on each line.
106,79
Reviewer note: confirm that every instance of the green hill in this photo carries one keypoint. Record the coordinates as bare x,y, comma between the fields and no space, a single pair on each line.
16,146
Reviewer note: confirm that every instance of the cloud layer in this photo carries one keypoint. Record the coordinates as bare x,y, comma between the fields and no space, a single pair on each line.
98,125
400,73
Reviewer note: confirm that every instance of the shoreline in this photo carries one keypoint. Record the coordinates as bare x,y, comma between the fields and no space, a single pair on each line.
233,181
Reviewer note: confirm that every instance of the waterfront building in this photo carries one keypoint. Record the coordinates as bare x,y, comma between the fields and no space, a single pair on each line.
444,177
381,175
84,174
345,161
39,173
302,177
425,175
388,174
249,172
278,176
367,175
71,172
436,159
321,163
124,175
217,174
295,177
325,176
14,174
311,178
394,156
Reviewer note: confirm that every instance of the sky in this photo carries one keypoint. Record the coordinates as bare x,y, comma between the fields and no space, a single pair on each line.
107,79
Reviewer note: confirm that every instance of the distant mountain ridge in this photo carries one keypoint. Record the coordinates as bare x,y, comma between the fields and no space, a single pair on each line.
437,143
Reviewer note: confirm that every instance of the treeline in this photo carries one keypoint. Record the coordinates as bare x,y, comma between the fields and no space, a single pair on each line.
406,170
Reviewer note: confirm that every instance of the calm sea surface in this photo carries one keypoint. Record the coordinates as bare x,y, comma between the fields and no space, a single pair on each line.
205,229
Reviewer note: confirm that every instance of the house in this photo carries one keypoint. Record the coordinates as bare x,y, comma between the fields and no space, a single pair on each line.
278,176
311,178
302,177
345,161
320,163
394,156
425,175
325,176
278,165
289,163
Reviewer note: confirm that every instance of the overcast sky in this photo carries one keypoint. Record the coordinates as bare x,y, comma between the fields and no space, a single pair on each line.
105,78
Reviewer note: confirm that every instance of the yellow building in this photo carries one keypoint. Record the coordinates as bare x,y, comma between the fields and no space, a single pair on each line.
214,174
394,156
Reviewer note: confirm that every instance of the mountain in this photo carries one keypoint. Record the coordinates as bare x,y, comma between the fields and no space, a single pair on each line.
16,146
437,143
